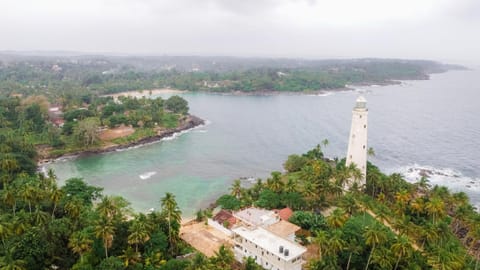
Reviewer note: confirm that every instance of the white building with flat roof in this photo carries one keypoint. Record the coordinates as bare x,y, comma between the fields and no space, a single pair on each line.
269,250
257,217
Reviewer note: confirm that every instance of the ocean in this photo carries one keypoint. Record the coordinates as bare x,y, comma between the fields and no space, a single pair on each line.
428,126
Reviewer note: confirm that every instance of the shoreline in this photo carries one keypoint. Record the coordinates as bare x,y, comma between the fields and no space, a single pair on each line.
191,123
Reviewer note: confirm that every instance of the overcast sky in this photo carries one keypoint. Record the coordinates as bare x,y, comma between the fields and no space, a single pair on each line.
447,30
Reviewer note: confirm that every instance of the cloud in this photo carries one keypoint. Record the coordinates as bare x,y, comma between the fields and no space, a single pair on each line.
303,28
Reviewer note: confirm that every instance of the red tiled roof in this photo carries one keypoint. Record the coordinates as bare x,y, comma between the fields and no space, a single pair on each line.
223,216
285,213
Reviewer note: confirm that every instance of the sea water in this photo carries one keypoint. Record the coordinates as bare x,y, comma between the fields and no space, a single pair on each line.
418,126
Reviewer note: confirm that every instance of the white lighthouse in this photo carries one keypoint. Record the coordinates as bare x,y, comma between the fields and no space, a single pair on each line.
357,143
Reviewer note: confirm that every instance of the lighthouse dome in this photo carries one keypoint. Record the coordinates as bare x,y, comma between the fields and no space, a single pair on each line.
361,103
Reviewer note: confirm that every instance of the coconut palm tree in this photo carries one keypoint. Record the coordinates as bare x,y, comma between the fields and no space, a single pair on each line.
435,208
383,258
80,243
139,233
337,218
374,236
352,247
335,243
27,192
321,239
250,264
173,215
130,257
55,196
9,197
236,189
107,208
223,257
104,229
5,230
401,248
371,152
291,185
275,182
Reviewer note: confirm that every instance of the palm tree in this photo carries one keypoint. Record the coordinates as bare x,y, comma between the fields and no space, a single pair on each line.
236,189
107,208
275,183
80,243
402,248
130,257
250,264
172,213
321,240
7,262
73,207
139,233
223,257
291,185
40,217
55,196
27,192
335,243
382,257
5,230
9,197
349,203
374,236
337,218
104,229
352,247
436,208
371,152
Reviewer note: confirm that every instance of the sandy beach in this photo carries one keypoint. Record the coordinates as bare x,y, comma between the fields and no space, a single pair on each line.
146,93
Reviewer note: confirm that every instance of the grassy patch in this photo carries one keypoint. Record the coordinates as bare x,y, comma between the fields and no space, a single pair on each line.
139,134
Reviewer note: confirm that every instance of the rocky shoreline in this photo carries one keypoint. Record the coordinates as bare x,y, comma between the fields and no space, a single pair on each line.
190,123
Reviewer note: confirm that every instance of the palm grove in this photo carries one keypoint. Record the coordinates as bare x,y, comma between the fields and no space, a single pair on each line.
388,224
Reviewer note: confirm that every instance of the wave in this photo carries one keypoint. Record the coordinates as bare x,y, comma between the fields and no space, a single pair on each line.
169,138
440,176
147,175
448,177
323,94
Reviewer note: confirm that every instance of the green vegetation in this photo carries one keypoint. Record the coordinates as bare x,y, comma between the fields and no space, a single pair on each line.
75,80
388,224
62,129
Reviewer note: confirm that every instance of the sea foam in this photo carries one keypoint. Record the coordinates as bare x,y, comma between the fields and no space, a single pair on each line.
147,175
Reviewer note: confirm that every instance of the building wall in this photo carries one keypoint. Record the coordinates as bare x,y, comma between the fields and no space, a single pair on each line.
357,145
268,260
219,227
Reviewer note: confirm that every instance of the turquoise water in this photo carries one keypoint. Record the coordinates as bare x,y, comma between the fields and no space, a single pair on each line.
417,125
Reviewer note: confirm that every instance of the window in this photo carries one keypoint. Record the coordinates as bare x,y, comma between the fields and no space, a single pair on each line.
360,116
364,126
364,147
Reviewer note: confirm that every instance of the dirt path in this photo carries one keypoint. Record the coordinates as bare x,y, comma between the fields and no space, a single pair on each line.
387,224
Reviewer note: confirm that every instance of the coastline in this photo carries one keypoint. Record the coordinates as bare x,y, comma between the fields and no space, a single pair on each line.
191,122
146,92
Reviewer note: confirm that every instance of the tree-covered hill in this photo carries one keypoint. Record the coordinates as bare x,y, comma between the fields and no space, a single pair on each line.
76,76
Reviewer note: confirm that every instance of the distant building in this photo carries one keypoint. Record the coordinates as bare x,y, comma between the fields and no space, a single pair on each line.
357,144
267,249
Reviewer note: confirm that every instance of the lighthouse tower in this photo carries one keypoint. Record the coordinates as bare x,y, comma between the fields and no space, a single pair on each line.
357,143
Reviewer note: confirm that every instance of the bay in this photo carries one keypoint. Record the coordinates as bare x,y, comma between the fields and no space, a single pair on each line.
416,126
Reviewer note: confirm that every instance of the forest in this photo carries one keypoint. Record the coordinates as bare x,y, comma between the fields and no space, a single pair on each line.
78,77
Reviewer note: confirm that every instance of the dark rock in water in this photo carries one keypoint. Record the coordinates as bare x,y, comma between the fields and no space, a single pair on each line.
425,173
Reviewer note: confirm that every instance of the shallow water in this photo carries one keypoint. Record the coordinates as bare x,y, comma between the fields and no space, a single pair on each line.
432,124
